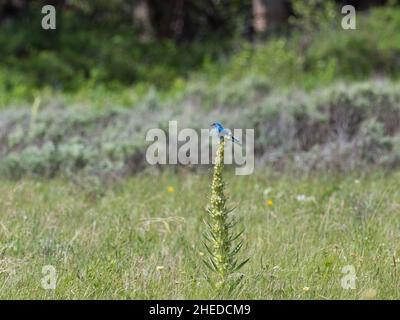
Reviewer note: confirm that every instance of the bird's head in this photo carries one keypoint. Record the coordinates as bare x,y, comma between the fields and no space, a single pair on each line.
217,126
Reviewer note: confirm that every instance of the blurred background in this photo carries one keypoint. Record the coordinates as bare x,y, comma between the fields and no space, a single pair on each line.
162,44
82,96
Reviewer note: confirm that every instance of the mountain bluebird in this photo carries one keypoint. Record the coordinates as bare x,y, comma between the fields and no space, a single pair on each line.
224,132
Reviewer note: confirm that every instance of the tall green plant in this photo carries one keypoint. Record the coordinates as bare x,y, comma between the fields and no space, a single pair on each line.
221,242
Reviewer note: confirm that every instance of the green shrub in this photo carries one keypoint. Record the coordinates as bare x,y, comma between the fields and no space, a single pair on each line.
342,127
113,66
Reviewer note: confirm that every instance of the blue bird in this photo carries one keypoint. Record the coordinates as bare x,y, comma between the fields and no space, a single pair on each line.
224,132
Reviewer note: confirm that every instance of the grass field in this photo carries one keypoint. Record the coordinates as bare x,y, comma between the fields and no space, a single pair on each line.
142,238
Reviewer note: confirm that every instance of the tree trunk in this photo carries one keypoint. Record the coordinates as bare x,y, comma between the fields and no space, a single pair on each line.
141,19
269,15
260,16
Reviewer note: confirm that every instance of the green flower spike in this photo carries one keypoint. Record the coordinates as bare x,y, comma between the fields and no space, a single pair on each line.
221,242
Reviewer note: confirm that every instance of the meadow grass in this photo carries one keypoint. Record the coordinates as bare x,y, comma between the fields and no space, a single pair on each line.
142,238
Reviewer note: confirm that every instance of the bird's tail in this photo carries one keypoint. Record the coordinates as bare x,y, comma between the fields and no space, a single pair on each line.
236,140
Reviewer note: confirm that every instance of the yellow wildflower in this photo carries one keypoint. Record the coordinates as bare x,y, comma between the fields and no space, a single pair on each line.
368,294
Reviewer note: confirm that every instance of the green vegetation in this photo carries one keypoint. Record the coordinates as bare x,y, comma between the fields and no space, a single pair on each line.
141,240
112,66
77,193
342,127
222,243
